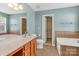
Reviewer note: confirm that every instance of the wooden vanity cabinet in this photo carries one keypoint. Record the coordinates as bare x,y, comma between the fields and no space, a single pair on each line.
28,49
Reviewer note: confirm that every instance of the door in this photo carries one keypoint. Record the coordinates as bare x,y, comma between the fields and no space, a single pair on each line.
24,25
49,29
44,29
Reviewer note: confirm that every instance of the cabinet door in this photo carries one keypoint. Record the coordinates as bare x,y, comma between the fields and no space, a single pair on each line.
33,47
27,45
18,52
27,52
27,49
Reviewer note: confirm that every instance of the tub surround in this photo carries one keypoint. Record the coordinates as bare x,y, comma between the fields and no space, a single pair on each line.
67,34
10,45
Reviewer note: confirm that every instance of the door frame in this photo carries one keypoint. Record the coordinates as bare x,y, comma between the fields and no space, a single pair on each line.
44,29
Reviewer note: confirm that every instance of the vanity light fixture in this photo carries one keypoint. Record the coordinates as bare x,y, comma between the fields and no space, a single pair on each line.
15,6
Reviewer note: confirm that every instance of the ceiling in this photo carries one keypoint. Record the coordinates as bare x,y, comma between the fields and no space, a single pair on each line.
35,6
48,6
4,8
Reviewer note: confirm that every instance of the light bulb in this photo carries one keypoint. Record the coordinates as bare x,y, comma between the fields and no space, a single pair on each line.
15,4
20,7
10,5
16,8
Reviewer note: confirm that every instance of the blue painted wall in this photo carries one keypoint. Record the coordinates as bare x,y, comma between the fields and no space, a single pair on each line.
65,19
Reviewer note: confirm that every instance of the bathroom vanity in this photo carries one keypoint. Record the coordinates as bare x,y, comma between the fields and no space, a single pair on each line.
17,46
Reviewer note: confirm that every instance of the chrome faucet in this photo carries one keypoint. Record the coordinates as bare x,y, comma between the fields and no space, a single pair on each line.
25,34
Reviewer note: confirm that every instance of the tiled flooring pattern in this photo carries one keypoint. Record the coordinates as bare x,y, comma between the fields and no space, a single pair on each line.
47,51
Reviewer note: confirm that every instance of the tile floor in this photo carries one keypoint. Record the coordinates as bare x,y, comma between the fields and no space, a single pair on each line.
48,50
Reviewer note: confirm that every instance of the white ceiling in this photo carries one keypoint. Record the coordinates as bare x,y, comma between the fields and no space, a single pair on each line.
48,6
35,6
4,8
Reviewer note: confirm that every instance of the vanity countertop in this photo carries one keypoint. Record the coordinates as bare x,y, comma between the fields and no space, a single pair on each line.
7,45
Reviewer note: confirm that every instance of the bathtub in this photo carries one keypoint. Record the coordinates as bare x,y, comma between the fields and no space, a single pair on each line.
66,41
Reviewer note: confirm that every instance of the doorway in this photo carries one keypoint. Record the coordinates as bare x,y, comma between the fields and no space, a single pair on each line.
44,31
24,30
48,30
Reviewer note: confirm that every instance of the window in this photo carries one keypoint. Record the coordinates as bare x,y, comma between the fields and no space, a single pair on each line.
2,24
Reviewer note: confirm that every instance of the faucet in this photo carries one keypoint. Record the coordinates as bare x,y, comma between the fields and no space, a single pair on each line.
25,34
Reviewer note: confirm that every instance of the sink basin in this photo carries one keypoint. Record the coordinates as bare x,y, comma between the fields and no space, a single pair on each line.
27,37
